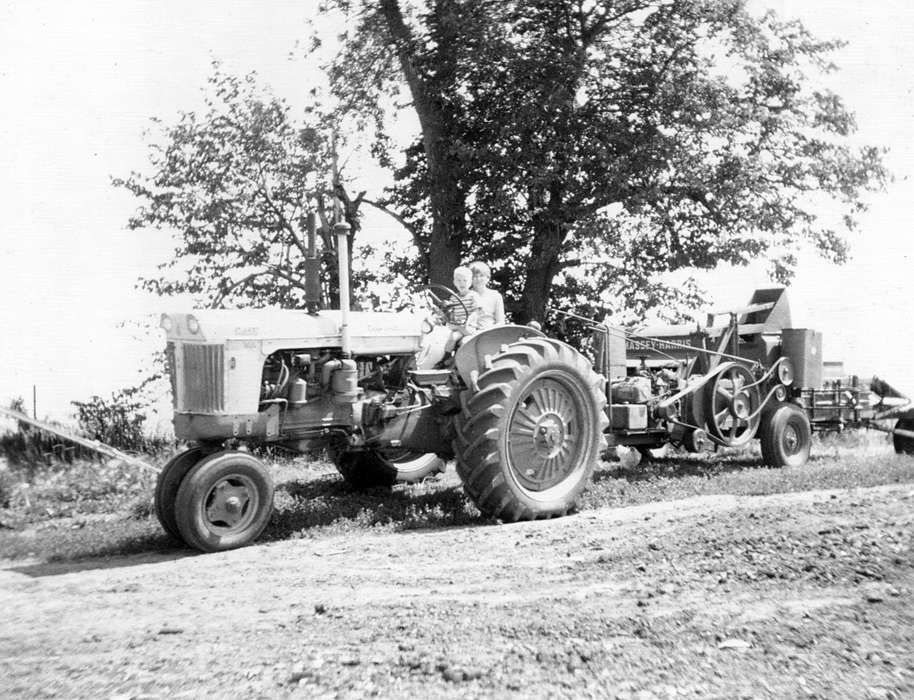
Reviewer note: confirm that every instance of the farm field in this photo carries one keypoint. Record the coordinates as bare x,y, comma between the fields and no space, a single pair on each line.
685,577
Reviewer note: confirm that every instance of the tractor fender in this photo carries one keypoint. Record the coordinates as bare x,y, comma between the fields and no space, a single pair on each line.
476,350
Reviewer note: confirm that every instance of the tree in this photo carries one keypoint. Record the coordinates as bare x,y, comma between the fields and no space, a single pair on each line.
646,135
384,52
236,183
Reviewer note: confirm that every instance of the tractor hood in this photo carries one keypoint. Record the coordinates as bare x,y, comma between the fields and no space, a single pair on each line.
371,333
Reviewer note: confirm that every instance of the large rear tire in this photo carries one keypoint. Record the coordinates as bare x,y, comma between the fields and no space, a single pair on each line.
528,439
786,437
167,484
904,445
224,502
363,469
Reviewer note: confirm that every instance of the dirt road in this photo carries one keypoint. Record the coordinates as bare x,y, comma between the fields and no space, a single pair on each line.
797,595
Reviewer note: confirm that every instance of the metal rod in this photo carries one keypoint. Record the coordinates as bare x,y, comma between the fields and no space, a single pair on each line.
342,253
692,388
93,445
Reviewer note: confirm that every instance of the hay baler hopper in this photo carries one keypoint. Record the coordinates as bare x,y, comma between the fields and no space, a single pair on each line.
746,374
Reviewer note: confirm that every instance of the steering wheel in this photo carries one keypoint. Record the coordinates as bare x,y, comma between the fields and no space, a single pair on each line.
444,306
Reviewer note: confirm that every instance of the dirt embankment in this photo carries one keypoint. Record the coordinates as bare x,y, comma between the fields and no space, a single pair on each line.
798,595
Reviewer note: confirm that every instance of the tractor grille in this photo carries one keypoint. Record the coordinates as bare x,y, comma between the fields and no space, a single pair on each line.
172,372
203,372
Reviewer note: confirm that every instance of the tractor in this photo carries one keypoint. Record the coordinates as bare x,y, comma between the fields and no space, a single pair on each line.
526,417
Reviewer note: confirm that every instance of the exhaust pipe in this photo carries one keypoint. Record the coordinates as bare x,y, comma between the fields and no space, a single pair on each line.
312,270
342,253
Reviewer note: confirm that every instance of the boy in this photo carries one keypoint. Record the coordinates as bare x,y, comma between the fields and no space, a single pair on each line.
462,318
491,305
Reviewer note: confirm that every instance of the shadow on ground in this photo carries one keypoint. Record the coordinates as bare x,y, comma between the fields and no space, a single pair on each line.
146,553
326,504
677,466
329,502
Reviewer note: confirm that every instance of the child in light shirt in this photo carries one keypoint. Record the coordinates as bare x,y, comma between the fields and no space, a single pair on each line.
462,316
491,304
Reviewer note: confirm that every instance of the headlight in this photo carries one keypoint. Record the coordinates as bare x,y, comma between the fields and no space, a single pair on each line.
166,323
193,325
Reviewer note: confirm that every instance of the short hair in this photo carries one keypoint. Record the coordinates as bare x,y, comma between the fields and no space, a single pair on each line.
463,270
481,267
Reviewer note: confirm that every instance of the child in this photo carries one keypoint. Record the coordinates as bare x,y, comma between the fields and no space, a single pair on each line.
491,305
462,317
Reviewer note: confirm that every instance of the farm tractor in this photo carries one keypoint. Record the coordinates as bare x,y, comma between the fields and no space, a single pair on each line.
525,416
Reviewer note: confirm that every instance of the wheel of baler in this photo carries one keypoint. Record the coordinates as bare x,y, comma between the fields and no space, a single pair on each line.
528,439
224,502
363,469
904,445
167,484
732,406
786,437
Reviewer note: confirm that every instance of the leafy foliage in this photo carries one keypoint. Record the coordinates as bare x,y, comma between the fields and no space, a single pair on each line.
588,148
236,183
118,421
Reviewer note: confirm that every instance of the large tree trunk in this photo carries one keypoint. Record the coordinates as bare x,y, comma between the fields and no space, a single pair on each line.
448,212
446,195
544,266
549,231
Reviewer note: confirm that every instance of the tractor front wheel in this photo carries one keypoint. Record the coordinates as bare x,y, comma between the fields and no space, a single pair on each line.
528,439
224,502
786,437
904,445
167,484
363,469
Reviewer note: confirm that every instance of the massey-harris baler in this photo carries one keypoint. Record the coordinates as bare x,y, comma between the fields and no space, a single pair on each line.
746,374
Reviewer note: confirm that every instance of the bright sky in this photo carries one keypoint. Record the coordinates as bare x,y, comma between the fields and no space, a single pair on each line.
79,82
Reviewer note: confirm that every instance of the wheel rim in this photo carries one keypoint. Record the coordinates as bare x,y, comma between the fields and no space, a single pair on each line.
733,403
548,433
231,504
791,440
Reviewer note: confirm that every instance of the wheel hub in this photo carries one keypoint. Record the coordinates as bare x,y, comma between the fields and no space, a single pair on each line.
233,505
544,440
549,435
227,504
740,406
791,440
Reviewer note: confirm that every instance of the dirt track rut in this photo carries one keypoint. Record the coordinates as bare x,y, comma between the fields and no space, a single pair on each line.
797,595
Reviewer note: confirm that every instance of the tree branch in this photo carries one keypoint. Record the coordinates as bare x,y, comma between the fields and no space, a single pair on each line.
392,214
272,270
264,189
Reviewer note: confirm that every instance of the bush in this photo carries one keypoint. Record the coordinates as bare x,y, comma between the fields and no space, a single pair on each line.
29,446
118,421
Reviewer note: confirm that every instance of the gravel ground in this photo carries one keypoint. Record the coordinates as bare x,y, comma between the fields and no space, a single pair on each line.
796,595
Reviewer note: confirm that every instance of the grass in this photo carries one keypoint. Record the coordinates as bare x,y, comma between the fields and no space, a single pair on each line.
89,510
